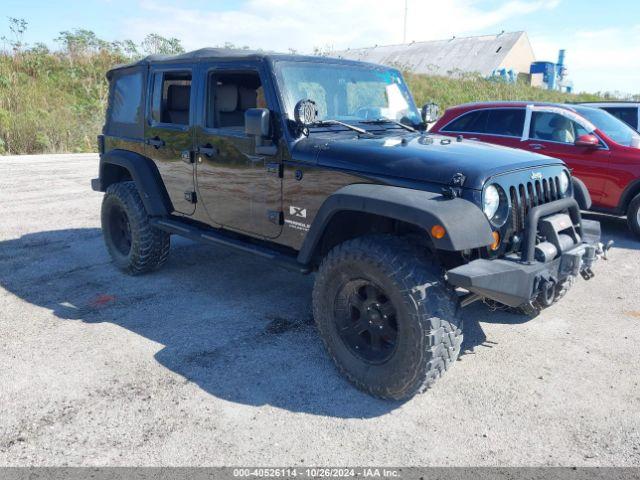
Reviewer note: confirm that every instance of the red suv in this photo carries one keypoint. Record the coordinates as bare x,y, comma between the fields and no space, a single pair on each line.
602,151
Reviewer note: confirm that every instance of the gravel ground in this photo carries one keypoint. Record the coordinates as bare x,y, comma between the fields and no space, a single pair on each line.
214,359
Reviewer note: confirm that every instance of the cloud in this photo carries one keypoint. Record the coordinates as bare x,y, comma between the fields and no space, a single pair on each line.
597,60
303,25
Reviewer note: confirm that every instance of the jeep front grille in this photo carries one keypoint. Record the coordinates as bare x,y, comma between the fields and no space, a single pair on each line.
526,196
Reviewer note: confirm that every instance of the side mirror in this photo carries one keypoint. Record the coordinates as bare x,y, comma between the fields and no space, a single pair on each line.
256,122
430,112
589,141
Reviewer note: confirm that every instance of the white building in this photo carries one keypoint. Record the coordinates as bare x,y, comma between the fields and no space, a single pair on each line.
484,55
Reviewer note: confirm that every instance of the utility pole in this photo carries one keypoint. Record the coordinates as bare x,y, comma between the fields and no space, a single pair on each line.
404,32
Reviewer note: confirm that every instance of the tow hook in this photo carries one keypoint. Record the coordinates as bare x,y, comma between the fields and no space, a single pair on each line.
547,291
604,249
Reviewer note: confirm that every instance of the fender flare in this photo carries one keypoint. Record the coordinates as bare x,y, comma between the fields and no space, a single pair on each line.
465,223
144,174
628,195
581,194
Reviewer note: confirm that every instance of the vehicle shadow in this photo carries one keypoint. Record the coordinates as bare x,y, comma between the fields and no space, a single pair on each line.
235,325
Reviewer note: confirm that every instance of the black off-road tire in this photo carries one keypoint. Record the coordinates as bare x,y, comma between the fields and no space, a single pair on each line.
429,327
148,246
633,215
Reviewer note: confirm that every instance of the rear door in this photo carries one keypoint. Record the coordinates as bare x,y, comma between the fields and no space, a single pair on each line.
553,131
169,133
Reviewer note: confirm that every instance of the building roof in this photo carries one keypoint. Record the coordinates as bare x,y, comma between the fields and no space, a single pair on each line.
482,54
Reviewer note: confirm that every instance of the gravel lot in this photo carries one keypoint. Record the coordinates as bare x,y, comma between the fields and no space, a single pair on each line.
214,359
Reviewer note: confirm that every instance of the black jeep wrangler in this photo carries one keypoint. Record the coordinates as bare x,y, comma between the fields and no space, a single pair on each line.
325,166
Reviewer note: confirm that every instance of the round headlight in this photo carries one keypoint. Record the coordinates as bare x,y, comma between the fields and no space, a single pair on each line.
563,183
491,201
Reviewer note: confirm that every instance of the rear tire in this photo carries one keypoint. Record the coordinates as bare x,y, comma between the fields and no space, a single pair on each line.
633,215
135,246
386,315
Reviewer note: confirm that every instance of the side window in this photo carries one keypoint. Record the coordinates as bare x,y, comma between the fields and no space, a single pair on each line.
126,99
554,127
506,121
629,115
472,122
171,98
229,96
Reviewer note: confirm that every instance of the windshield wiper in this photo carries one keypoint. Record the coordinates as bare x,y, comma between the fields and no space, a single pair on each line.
321,123
379,121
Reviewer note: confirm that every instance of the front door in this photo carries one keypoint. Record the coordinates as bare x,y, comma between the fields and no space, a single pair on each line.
553,133
169,134
239,189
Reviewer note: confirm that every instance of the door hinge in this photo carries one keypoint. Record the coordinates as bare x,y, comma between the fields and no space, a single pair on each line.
275,167
191,197
276,216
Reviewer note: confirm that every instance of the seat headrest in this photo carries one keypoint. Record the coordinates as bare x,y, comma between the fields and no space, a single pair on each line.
227,98
248,97
178,97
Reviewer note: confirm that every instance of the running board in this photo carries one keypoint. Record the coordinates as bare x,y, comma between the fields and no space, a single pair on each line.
213,237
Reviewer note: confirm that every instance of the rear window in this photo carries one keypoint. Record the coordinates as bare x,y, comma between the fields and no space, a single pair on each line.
127,99
471,122
506,122
628,115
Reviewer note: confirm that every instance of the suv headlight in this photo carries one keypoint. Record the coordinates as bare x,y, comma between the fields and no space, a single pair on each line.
490,201
495,205
563,183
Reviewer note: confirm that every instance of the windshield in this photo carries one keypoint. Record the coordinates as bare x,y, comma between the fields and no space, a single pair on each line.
348,93
615,129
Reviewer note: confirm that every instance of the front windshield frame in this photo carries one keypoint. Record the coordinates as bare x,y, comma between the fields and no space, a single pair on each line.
287,104
598,117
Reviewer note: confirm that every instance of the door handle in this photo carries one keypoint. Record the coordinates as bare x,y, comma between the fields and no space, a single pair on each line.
156,142
536,146
208,150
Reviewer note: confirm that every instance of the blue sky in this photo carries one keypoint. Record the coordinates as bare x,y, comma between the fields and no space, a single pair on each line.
602,38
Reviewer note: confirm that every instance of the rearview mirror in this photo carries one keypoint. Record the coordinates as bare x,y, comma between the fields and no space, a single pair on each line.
590,141
430,112
256,122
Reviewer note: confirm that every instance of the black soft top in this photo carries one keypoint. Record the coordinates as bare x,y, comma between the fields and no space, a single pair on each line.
235,54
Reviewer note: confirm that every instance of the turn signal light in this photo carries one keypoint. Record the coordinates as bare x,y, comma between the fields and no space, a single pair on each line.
496,241
438,232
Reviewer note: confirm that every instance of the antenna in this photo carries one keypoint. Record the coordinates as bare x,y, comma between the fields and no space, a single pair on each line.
404,32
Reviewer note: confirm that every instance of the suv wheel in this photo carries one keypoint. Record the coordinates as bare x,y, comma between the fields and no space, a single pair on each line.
386,315
633,215
134,245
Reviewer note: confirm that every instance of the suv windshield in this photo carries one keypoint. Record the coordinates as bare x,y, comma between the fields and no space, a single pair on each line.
348,93
615,129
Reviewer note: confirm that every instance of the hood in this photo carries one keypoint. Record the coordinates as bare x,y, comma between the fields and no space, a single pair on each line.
427,158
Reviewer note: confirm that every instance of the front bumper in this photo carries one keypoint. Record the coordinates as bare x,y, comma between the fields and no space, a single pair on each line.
517,280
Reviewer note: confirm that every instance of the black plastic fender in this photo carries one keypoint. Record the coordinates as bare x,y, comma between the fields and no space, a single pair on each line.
581,194
466,225
145,175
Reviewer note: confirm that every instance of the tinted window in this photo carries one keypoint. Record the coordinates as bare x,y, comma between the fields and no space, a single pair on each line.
126,98
506,121
628,115
472,122
555,128
171,98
